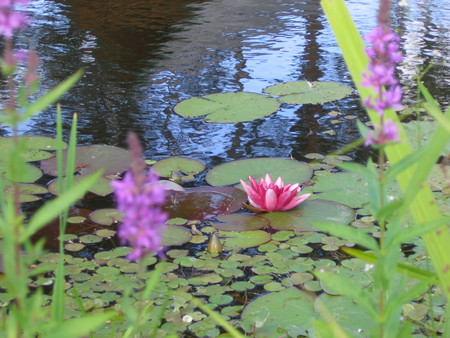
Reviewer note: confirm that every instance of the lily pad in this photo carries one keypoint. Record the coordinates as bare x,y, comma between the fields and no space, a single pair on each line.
90,159
347,187
102,187
243,239
202,203
36,142
420,132
27,192
176,235
228,107
276,313
240,222
305,92
350,316
303,216
107,216
291,171
31,173
188,166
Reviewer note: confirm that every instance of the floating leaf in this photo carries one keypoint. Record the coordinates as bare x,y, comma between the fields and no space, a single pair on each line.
184,165
271,315
420,132
349,315
202,203
102,187
31,175
89,239
228,107
243,239
26,191
34,142
107,216
302,217
305,92
346,187
90,159
74,247
106,233
176,235
240,222
232,172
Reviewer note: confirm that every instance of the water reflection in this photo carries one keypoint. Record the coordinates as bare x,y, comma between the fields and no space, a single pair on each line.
141,57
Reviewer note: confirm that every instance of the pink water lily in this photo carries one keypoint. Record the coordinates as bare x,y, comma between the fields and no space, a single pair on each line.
273,196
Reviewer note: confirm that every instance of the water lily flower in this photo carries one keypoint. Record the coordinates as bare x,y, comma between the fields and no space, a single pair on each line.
273,196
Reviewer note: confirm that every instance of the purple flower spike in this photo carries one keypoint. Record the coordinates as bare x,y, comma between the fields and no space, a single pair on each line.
139,197
384,54
386,133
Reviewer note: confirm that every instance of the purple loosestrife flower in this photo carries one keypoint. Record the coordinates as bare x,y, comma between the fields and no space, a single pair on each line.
383,134
10,19
384,54
139,197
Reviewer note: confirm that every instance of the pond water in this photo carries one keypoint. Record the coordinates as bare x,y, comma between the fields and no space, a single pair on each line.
142,57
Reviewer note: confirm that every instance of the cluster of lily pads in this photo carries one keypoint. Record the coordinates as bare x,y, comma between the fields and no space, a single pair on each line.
257,276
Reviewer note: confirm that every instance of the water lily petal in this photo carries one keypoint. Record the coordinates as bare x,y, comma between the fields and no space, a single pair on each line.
254,196
271,200
279,182
295,201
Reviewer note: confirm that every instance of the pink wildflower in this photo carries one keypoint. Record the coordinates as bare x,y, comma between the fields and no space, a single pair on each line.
273,196
383,134
140,198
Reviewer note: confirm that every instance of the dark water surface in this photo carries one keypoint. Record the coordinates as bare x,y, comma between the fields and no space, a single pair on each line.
141,57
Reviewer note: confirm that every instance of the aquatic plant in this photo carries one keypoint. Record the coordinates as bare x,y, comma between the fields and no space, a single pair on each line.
139,198
24,315
273,196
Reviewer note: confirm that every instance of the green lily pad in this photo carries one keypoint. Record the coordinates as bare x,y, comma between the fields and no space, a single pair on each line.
420,132
303,216
90,239
291,171
73,247
90,159
188,166
305,92
102,187
176,235
349,315
31,173
346,187
108,216
243,239
240,222
34,142
27,192
275,313
228,107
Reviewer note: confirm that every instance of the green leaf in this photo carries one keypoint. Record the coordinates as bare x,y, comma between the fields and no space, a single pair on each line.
423,207
290,171
79,327
272,314
417,231
348,233
305,92
302,217
411,271
228,107
185,165
349,289
52,209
